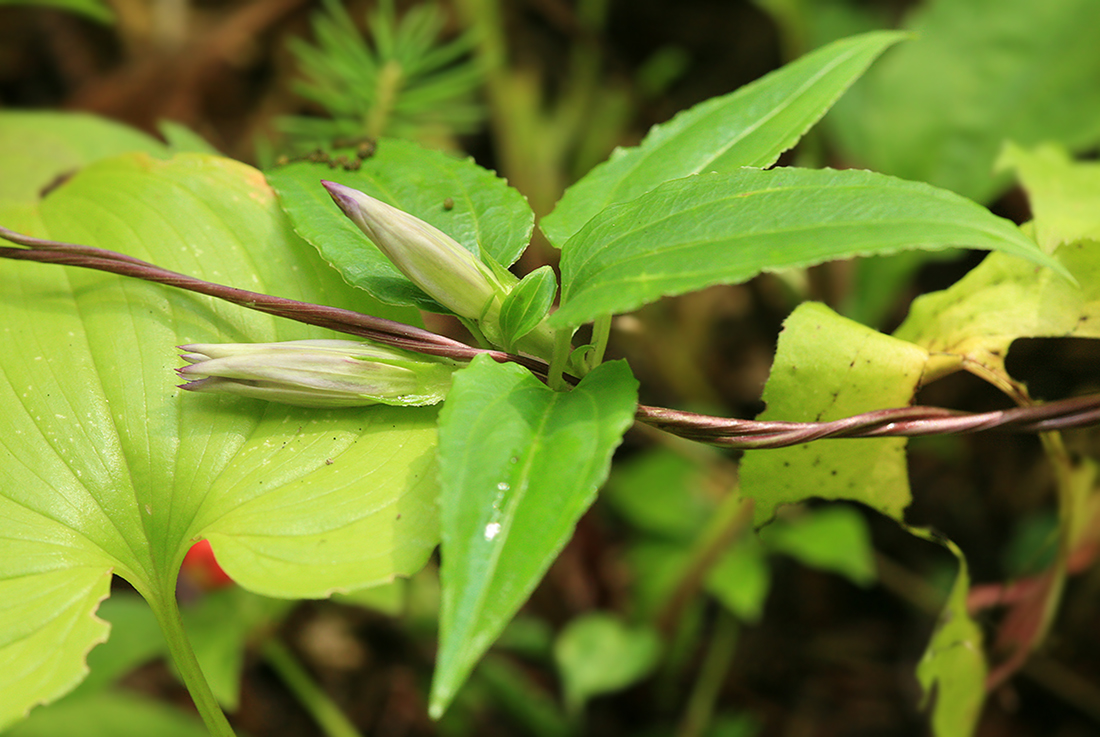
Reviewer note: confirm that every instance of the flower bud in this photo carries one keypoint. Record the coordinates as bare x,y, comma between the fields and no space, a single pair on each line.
318,373
430,258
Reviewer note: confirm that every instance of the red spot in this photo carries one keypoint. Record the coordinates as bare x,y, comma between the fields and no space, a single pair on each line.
201,568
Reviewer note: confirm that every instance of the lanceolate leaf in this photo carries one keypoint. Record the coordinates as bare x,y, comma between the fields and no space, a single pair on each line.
726,228
749,127
519,465
105,465
468,203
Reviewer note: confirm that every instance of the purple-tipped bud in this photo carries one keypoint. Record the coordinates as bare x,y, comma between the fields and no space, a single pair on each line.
318,373
430,258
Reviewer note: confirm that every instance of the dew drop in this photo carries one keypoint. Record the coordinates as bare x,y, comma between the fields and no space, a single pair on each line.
504,486
492,530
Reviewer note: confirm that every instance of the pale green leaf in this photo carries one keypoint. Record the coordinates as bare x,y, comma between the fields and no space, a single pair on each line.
977,74
527,304
598,654
749,127
510,500
110,714
826,368
105,465
389,598
39,149
47,623
468,203
1003,299
726,228
952,670
1064,195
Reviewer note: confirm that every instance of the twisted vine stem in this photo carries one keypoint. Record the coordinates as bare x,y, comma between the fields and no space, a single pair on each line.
720,431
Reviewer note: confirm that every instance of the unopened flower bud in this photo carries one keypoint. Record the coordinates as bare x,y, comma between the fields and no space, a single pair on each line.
318,373
430,258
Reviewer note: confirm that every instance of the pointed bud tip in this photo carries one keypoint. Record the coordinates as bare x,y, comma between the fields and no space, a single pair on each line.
343,196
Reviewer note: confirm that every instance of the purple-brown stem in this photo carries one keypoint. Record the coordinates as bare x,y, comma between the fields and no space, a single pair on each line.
720,431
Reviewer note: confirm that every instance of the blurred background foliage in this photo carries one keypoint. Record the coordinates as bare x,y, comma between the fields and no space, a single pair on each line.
651,622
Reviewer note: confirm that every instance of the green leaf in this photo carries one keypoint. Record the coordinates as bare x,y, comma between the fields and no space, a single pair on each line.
834,538
527,304
105,465
38,150
389,598
952,670
826,368
220,626
135,640
1003,299
740,579
598,653
97,10
511,499
726,228
661,493
109,715
749,127
1064,195
182,139
468,203
939,108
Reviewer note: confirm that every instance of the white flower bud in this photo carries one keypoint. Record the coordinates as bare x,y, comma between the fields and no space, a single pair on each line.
318,373
430,258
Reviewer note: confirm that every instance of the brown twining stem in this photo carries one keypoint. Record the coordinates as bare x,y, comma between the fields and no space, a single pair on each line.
720,431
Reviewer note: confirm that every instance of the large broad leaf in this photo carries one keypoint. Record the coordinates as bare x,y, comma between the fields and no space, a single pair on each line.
1064,195
38,150
1003,299
106,466
749,127
468,203
826,368
726,228
520,464
978,73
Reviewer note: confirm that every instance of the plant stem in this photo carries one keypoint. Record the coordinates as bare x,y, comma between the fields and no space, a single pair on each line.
601,331
167,612
731,518
562,346
700,707
321,707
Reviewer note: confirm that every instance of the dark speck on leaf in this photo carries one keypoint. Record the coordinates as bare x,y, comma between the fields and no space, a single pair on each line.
56,182
449,204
